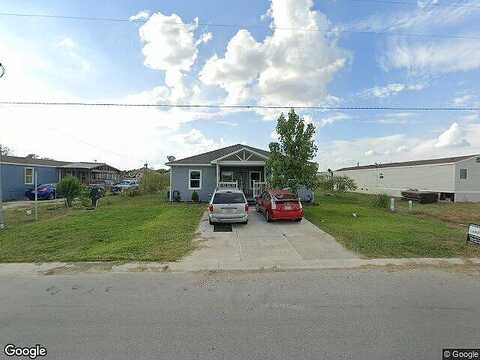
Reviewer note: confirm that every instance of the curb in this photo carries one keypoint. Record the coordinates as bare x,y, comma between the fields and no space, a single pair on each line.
61,268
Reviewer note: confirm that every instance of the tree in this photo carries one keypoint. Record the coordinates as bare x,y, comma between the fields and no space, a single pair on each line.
5,150
70,188
334,183
290,163
154,181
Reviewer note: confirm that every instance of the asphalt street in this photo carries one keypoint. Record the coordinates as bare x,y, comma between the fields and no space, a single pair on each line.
323,314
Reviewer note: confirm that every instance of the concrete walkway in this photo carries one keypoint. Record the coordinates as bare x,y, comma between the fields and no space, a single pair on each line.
263,245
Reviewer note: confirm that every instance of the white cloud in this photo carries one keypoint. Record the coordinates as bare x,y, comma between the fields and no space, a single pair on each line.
140,16
463,100
434,57
337,117
456,140
67,43
391,89
453,137
170,45
288,67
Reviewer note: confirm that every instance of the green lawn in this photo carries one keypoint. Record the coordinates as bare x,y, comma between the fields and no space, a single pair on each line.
434,230
122,228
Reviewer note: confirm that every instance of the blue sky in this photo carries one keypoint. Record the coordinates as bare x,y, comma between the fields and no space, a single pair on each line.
280,52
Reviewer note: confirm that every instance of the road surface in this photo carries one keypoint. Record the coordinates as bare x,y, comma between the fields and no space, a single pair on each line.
329,314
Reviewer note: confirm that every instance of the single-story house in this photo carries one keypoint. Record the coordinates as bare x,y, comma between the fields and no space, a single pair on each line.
239,166
456,178
17,174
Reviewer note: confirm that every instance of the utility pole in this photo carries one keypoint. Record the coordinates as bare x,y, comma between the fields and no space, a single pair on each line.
2,220
145,169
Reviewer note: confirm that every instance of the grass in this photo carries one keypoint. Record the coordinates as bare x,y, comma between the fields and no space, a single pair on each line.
122,228
433,230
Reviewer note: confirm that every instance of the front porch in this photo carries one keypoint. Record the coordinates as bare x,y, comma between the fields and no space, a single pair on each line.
249,179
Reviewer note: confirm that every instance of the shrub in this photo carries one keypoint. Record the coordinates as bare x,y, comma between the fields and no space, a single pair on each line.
336,183
195,197
69,187
154,181
381,201
85,196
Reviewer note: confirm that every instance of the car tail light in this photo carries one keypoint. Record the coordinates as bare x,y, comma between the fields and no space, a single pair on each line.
300,204
246,207
274,204
210,208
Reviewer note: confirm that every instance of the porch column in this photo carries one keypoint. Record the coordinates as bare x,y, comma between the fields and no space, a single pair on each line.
218,173
264,173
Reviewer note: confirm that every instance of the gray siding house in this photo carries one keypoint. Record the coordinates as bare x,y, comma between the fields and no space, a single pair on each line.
238,165
17,174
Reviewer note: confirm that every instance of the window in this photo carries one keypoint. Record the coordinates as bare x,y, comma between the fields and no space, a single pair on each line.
229,198
195,179
28,176
227,176
463,174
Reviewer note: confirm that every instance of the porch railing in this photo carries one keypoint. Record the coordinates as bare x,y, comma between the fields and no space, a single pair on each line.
258,187
227,185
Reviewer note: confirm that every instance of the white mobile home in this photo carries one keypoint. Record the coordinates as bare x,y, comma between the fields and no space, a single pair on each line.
455,178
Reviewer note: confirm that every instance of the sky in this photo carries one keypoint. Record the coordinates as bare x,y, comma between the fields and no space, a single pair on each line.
337,53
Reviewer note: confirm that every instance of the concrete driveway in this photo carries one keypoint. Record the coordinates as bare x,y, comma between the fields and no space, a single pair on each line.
263,245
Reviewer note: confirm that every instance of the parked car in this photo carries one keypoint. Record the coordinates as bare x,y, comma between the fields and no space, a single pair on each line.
228,206
279,205
44,192
125,185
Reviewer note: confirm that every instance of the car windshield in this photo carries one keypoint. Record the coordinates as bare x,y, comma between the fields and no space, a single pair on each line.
229,198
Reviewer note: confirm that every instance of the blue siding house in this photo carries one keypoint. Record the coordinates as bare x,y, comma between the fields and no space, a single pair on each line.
17,174
239,165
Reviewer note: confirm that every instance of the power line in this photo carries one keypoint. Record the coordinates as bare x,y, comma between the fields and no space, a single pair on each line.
281,28
247,107
410,3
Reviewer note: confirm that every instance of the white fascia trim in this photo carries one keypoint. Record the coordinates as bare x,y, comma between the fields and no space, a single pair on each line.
397,167
242,163
190,165
235,152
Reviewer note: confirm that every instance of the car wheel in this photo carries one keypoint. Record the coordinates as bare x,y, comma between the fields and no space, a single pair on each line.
211,222
298,220
51,196
245,222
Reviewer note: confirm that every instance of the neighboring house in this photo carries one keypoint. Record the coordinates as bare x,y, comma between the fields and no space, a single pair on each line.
238,165
17,174
455,178
92,173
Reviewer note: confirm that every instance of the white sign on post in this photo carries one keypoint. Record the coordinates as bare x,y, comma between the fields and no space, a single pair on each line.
474,234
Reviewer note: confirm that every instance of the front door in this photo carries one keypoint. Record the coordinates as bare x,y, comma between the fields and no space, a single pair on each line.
254,176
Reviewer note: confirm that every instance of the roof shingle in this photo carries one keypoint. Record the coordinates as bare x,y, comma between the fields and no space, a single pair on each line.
208,157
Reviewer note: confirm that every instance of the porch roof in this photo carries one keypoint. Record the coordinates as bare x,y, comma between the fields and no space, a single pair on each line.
211,156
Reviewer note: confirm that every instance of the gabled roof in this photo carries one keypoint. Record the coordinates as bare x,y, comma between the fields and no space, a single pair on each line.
447,160
208,157
31,161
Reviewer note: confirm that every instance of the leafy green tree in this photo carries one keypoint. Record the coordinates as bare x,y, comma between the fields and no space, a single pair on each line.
336,183
290,163
70,188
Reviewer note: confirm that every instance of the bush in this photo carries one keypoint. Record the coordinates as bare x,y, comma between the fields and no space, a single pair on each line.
336,183
85,196
154,181
195,197
381,201
69,187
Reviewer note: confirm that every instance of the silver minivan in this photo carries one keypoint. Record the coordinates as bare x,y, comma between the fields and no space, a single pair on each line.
228,206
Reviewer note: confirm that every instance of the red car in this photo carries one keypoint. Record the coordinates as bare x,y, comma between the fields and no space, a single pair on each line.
279,205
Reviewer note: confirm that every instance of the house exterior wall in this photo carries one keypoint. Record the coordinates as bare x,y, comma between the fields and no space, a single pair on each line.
468,189
435,177
180,180
13,179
